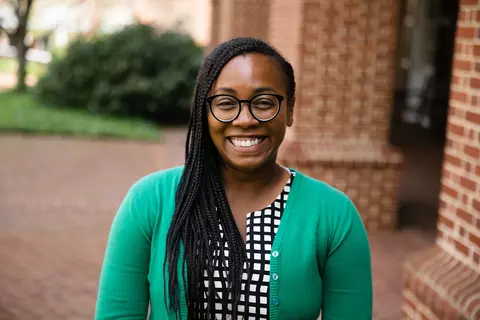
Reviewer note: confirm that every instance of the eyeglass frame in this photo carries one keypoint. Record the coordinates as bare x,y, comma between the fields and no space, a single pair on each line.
279,97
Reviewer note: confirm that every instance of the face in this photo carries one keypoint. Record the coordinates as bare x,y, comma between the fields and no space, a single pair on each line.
246,143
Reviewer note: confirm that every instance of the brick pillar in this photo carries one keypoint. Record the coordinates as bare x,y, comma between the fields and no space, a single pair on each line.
343,52
239,18
444,281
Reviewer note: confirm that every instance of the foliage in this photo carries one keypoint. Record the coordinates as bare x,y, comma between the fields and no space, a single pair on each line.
9,65
21,112
136,72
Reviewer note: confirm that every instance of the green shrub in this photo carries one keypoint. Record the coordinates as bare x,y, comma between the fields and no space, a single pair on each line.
136,72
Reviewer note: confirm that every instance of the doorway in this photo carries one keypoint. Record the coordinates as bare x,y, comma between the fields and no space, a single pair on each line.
418,125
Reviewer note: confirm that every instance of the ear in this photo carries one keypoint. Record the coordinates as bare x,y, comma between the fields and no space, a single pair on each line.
290,107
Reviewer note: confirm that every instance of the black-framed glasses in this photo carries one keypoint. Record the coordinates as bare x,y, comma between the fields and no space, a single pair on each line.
263,107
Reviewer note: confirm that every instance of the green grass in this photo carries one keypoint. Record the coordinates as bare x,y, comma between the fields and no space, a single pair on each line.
9,65
21,112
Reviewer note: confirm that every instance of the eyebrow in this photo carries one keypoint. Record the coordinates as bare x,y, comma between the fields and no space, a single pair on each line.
256,91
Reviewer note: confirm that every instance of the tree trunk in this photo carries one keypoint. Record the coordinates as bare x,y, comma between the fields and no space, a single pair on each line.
22,66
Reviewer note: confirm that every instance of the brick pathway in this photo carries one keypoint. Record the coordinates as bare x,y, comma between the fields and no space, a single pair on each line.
57,199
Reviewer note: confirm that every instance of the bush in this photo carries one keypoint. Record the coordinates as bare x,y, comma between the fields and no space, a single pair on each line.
136,72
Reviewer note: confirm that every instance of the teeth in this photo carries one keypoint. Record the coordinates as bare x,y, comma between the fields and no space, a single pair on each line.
245,143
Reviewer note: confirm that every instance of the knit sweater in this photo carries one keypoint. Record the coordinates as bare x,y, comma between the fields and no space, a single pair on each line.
320,254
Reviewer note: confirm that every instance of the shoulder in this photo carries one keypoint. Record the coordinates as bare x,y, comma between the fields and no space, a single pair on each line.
322,192
333,208
157,183
151,195
336,215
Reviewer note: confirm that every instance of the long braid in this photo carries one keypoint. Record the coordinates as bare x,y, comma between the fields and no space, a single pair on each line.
202,211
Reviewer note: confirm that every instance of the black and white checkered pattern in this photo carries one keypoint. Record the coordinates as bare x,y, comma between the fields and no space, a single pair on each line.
261,229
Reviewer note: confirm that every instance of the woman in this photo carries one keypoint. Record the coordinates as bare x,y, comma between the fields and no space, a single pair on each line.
233,234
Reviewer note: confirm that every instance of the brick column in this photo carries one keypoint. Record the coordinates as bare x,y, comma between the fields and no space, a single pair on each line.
444,282
239,18
344,53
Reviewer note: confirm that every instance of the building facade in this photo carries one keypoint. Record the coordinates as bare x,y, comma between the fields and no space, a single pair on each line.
345,55
444,281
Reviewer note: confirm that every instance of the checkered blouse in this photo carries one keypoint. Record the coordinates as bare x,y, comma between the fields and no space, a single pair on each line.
261,226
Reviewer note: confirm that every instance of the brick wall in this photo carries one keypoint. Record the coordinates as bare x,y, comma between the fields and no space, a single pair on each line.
343,52
346,78
459,223
444,282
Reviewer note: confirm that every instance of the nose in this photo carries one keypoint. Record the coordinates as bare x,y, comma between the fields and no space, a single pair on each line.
245,119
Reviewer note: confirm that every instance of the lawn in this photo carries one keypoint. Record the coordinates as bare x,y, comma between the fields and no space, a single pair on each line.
21,112
9,65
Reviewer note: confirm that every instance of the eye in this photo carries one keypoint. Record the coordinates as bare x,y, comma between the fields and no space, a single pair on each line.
264,102
224,103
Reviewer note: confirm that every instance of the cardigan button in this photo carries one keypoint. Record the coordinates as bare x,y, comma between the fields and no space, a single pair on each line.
275,254
275,301
275,276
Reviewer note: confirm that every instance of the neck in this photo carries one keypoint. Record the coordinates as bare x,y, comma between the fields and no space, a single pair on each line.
252,180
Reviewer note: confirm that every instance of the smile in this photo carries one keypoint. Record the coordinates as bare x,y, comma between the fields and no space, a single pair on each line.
246,142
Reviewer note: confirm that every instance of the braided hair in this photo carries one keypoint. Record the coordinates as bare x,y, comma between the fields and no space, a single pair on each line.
202,211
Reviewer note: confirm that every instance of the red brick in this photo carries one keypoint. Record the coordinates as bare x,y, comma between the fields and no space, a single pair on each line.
467,183
473,117
457,130
476,50
456,79
450,191
446,175
442,204
463,65
476,206
450,143
474,100
458,47
464,215
465,199
475,82
471,134
461,247
466,32
461,231
474,239
440,234
473,152
468,167
465,3
446,221
453,160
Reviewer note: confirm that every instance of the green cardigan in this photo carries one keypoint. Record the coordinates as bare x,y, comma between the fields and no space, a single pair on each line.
320,252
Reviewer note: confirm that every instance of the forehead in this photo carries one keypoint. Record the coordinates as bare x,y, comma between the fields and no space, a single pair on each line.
251,71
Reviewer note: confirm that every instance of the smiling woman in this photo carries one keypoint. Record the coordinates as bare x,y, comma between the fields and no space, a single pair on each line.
232,234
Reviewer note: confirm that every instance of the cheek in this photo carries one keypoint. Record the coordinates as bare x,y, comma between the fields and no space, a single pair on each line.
278,129
216,130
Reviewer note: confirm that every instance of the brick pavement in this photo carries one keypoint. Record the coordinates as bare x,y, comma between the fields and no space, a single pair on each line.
57,199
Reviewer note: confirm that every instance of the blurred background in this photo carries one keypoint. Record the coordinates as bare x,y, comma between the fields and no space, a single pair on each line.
94,94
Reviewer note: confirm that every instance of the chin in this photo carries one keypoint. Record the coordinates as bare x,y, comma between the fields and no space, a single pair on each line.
249,164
